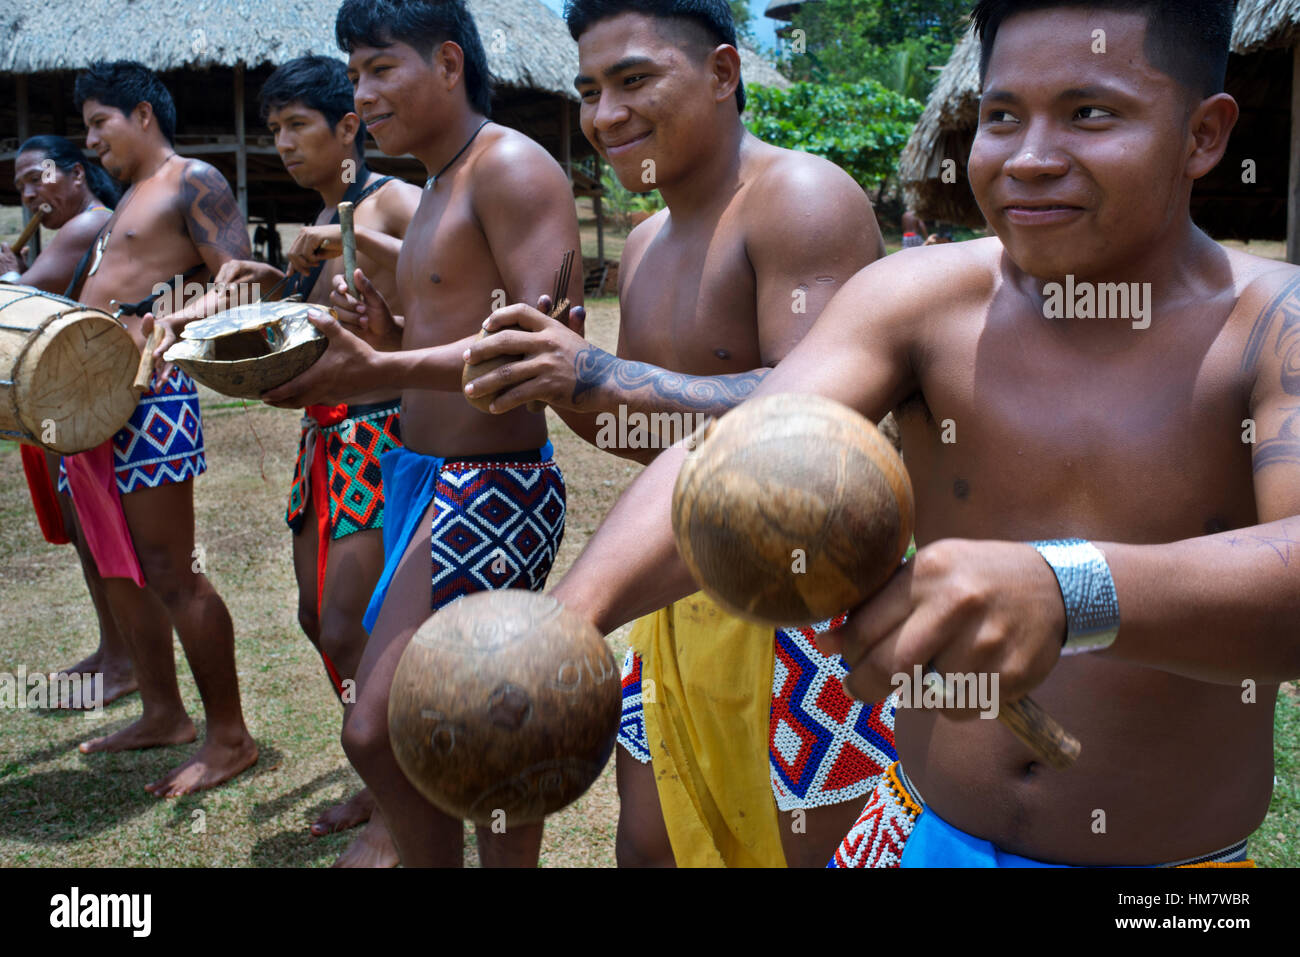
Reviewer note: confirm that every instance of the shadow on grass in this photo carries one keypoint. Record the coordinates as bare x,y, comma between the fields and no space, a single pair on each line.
61,807
297,848
269,809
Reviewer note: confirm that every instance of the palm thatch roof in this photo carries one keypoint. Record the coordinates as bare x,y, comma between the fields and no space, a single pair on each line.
527,45
947,125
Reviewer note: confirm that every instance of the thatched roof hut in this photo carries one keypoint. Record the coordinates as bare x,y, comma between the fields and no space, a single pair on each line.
214,55
1265,56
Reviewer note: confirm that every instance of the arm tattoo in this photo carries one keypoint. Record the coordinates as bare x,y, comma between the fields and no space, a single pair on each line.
1283,448
1283,313
666,391
1281,543
211,213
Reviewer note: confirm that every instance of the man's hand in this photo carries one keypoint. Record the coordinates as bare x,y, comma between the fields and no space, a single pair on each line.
313,245
959,606
346,368
549,346
11,261
171,326
247,272
368,316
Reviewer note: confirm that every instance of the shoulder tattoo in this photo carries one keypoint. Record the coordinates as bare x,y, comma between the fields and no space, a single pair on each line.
211,212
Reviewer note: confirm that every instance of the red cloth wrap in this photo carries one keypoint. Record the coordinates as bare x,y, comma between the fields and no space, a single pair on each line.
324,415
45,499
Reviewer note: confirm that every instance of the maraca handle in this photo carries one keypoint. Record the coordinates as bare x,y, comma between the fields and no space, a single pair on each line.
1040,732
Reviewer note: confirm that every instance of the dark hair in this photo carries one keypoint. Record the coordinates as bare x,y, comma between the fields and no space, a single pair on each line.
1186,39
423,25
124,84
67,158
711,16
317,82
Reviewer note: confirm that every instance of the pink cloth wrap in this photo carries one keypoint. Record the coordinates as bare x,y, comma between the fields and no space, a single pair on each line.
93,486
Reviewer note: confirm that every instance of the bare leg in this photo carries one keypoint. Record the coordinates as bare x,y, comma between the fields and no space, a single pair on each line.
354,566
112,658
162,527
813,842
304,570
425,837
642,837
143,619
355,563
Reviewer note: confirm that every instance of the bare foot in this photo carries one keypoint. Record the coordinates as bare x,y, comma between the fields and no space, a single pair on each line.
350,813
87,665
214,764
115,686
141,735
373,847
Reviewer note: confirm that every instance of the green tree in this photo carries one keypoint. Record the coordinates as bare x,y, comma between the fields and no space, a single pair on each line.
744,20
894,42
861,127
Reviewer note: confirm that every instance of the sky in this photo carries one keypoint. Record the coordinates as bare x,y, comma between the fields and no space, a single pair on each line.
764,28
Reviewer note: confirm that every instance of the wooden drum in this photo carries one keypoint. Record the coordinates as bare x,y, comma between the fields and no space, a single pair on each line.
65,371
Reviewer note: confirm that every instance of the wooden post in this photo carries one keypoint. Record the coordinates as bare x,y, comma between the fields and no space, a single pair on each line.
241,145
566,159
600,217
61,104
24,131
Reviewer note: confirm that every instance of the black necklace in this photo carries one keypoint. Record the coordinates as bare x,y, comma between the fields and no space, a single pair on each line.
432,181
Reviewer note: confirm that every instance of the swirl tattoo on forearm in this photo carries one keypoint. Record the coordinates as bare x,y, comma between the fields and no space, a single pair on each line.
666,391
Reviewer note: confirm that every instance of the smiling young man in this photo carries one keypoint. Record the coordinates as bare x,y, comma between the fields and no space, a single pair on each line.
473,502
714,291
336,498
178,218
1067,429
51,171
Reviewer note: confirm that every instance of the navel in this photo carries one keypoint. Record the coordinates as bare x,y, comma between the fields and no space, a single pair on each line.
961,489
435,278
722,353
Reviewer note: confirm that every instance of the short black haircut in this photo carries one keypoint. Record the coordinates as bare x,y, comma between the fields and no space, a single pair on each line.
423,25
67,157
317,82
124,85
712,16
1186,39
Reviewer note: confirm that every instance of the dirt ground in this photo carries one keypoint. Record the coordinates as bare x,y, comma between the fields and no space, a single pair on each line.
59,807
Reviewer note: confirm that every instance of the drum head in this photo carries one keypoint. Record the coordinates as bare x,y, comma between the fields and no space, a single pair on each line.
74,385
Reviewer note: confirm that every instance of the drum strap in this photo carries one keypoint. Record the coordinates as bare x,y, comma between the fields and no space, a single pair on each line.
71,291
356,192
146,304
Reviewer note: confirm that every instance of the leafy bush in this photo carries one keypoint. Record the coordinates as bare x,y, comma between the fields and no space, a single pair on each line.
861,127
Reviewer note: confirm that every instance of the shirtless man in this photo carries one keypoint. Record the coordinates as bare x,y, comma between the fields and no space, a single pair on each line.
1128,430
494,221
756,241
51,171
178,216
307,105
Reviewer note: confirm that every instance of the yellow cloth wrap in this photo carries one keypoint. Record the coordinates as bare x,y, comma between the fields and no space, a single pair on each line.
706,684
